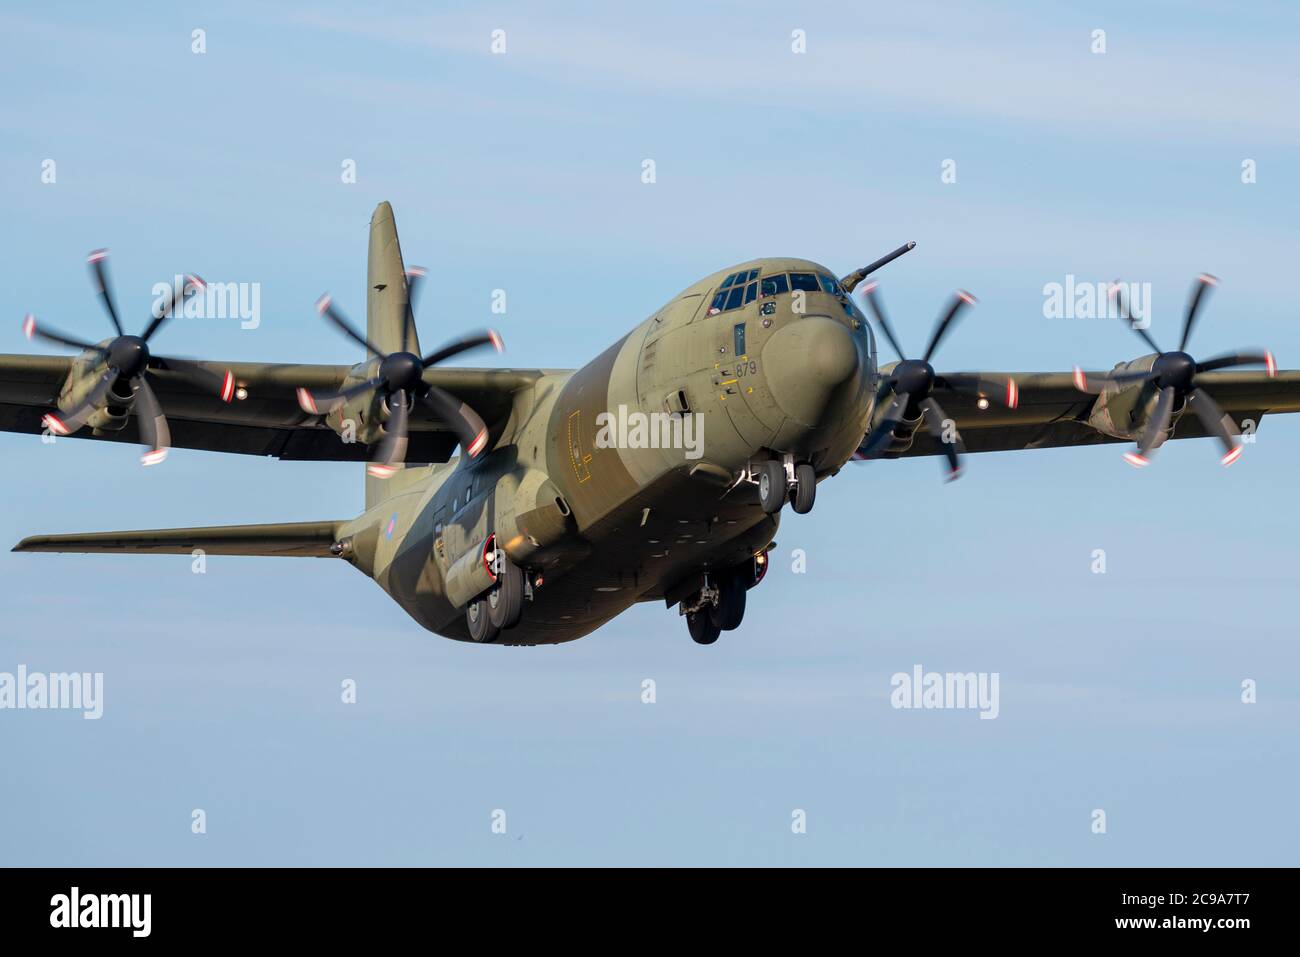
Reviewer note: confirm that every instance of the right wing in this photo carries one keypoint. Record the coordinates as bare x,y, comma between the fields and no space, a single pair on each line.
267,422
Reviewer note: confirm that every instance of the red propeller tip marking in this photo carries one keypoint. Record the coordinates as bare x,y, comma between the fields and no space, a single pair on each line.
54,424
966,297
953,475
1080,380
96,255
496,340
306,402
1209,280
1013,394
380,471
1136,460
196,281
476,446
153,457
29,325
868,287
1232,456
1271,364
323,303
228,387
417,271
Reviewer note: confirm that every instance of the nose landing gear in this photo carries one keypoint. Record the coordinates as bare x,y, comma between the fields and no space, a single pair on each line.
779,482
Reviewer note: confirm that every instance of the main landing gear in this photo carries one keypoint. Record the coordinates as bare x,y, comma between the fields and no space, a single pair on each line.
720,604
779,482
502,606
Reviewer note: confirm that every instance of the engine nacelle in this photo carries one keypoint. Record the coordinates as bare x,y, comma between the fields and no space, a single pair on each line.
1123,413
361,418
113,416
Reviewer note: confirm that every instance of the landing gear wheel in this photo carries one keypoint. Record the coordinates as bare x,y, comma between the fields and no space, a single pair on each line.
505,602
771,486
480,625
727,614
703,630
805,488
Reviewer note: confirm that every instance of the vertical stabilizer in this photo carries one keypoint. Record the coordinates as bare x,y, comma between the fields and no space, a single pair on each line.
388,320
389,323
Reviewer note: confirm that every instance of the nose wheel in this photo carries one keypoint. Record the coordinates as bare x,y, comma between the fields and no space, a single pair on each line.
776,486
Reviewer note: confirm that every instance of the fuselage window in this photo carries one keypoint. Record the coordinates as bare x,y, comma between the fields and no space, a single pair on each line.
805,281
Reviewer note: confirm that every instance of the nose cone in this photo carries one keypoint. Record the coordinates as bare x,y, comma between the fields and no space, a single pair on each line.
806,362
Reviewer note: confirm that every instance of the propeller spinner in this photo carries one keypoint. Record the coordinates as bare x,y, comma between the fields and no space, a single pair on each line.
1176,378
913,382
399,381
127,357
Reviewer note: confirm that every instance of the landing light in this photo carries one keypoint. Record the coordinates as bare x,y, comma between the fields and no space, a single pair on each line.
982,403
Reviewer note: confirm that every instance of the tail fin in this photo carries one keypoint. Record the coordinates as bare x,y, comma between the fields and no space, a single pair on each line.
292,539
389,322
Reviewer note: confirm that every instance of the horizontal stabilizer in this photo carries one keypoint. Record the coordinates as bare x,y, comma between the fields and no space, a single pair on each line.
290,539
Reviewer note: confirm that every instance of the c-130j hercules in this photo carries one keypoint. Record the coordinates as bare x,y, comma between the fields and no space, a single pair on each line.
542,529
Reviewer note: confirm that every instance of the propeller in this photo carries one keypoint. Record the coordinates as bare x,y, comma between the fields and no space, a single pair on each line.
128,357
1177,379
913,382
399,381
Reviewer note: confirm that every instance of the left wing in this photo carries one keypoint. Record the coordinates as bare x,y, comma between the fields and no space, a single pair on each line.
268,420
1052,412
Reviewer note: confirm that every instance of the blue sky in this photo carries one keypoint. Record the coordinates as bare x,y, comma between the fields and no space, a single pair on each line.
522,172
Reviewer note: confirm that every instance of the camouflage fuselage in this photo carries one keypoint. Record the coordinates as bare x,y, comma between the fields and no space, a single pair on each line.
574,489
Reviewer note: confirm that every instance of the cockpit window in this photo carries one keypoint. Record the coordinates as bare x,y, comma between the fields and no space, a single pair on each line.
830,285
741,288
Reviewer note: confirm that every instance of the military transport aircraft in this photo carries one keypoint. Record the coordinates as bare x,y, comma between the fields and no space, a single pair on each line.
657,471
